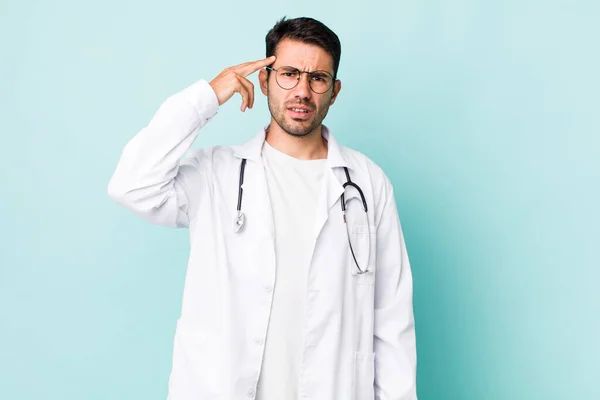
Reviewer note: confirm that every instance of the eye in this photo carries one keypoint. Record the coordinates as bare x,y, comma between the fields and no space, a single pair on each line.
288,72
319,77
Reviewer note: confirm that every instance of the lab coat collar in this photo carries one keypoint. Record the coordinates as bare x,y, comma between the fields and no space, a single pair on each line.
251,150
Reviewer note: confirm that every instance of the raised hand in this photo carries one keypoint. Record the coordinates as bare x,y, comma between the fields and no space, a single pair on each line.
233,79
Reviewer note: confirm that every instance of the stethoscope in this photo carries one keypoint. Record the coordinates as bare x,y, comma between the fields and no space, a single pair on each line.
240,218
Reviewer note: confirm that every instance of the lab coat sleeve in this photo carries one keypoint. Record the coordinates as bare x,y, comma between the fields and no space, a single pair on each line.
394,334
153,178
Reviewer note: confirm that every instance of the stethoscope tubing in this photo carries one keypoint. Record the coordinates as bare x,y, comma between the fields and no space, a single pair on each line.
240,219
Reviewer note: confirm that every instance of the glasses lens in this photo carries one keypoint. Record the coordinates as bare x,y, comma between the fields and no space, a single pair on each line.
287,77
320,81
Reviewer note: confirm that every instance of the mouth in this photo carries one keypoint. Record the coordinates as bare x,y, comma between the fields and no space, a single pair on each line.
299,112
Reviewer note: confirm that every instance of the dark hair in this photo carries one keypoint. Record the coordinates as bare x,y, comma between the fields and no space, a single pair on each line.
306,30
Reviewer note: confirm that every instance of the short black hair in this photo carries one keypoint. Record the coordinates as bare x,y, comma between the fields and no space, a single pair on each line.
306,30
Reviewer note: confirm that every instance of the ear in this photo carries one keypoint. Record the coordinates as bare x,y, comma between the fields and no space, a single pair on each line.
337,86
262,79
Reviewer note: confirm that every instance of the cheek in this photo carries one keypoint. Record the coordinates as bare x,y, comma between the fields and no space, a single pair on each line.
324,102
276,98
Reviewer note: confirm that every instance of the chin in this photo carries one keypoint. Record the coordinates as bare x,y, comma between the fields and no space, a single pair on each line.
297,133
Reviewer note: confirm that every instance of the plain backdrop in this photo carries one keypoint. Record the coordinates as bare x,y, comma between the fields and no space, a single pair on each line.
484,114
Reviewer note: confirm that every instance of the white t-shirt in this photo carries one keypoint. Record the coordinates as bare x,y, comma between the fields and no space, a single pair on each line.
294,187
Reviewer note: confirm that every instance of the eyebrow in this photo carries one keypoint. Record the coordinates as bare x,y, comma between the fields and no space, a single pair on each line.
291,66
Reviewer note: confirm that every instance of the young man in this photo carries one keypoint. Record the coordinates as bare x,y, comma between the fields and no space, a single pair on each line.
298,284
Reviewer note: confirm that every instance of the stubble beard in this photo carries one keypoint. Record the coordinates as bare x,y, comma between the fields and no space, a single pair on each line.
297,129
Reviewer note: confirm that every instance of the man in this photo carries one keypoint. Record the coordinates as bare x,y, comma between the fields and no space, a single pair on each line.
296,287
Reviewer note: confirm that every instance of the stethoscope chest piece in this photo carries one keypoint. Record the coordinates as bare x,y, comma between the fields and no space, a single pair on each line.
238,222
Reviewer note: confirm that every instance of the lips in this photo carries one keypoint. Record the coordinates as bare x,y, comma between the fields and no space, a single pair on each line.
299,112
299,109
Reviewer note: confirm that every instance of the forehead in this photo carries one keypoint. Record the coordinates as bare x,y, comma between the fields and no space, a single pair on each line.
304,56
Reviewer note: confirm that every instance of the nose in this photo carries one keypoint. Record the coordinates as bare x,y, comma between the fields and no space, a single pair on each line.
302,89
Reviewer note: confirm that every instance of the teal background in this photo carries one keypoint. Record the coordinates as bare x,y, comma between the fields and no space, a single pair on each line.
485,115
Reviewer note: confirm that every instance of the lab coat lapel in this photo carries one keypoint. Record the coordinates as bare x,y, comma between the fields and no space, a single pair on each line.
331,187
256,199
331,190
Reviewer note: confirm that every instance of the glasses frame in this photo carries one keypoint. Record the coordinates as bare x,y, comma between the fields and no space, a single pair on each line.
309,73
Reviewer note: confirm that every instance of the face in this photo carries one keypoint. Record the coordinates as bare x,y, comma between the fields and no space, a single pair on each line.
282,102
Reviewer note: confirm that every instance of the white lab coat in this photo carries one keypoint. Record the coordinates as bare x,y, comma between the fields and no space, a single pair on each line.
359,339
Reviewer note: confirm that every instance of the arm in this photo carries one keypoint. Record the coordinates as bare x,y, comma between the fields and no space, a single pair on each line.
394,332
150,178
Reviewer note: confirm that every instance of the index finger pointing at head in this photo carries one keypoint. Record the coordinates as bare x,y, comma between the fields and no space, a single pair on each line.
247,69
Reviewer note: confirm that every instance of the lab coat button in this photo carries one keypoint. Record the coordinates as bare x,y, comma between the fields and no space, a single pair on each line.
251,392
268,289
258,341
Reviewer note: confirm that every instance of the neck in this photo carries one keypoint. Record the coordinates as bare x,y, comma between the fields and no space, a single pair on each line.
308,147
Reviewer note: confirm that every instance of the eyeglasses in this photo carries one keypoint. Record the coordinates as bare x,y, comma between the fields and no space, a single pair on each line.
288,77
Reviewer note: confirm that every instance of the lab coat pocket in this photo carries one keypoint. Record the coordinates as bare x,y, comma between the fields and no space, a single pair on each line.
196,360
364,376
362,238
